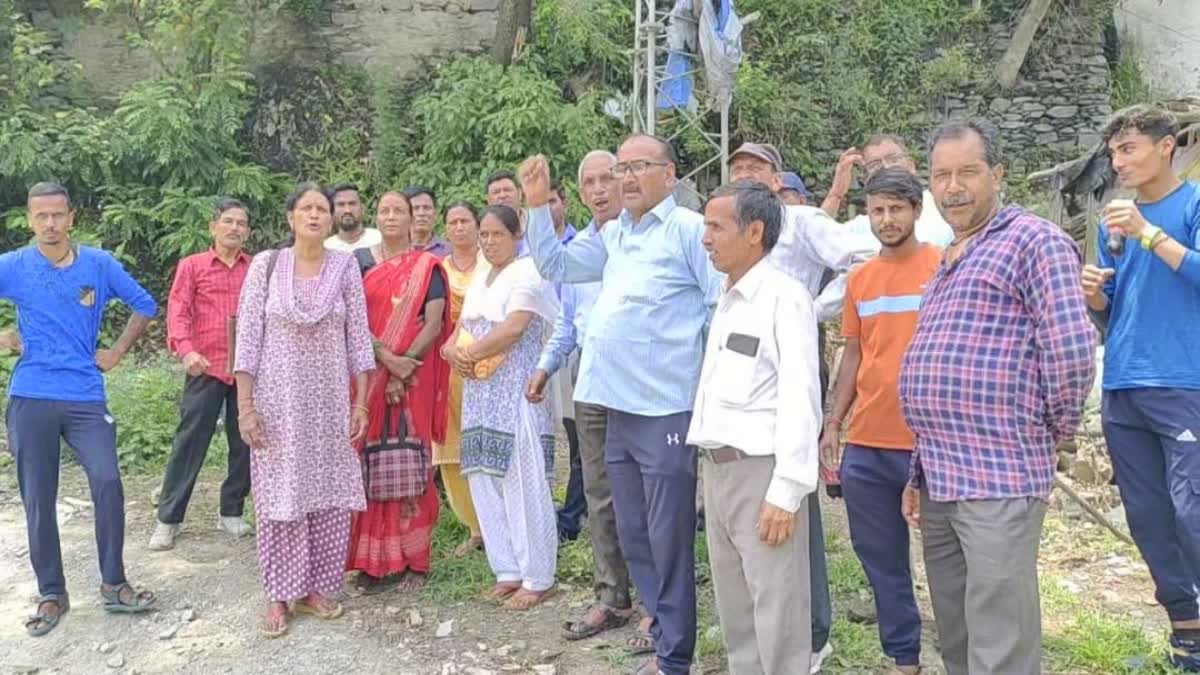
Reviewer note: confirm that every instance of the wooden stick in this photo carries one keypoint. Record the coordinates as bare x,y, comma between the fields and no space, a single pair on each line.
1091,510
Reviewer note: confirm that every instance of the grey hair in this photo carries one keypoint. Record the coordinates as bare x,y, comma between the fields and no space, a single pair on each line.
958,129
48,189
895,182
754,201
612,159
665,148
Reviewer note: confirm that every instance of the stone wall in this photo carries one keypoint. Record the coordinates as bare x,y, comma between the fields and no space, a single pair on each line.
1058,104
397,36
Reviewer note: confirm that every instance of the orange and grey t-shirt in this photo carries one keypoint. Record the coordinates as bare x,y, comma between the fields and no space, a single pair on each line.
882,300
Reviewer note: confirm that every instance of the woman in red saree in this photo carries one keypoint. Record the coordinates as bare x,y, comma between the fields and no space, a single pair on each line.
409,318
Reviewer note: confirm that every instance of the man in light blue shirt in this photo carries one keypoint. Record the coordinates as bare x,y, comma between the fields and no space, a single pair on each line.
601,193
641,359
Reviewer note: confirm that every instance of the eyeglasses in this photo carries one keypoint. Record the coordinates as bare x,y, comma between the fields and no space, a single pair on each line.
891,160
638,168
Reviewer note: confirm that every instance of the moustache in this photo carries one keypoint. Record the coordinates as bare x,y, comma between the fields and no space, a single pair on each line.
957,200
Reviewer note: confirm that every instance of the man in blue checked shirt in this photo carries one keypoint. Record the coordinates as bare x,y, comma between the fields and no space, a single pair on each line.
642,353
601,193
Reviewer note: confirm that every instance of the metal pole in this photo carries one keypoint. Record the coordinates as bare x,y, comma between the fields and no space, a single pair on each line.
634,103
725,139
651,68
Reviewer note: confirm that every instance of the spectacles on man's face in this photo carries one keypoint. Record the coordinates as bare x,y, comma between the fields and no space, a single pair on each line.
638,167
894,159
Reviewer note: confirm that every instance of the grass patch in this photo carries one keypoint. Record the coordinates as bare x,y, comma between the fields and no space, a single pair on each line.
846,574
856,646
454,579
1079,638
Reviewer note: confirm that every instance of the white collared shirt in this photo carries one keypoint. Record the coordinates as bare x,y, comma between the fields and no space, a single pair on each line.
759,386
370,237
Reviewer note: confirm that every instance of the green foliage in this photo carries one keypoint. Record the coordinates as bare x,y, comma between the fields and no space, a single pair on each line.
825,74
144,400
1128,84
476,118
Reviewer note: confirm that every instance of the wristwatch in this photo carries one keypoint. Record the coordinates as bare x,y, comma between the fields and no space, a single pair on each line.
1149,232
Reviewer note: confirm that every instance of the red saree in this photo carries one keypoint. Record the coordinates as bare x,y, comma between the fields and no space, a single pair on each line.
395,536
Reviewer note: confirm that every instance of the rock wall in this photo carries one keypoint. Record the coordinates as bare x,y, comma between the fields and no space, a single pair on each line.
397,36
1059,102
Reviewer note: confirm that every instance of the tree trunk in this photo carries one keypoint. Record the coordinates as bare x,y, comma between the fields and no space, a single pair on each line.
1014,57
512,28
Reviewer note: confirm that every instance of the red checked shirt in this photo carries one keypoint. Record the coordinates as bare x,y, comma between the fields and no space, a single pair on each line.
1001,363
203,297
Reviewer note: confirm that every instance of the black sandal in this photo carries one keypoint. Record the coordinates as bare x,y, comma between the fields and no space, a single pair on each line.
641,644
42,622
115,604
581,629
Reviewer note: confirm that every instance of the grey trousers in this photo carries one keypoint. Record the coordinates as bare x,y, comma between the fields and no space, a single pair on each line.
765,614
610,576
981,562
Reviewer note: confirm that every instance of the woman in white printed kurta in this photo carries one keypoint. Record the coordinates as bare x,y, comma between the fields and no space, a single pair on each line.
508,441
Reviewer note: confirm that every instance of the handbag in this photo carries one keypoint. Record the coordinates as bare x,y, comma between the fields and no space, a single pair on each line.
231,322
484,368
398,467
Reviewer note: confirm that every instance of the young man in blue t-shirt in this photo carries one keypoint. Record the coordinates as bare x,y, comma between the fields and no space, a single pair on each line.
1150,294
57,392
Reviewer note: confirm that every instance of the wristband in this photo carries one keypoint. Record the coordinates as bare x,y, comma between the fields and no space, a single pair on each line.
1158,238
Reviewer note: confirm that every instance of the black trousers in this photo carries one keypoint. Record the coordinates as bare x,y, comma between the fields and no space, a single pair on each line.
203,399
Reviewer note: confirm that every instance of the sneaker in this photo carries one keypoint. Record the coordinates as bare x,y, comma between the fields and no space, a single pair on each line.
818,659
164,535
234,525
1185,654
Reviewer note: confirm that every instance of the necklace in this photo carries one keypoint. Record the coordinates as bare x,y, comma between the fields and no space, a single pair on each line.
474,259
70,250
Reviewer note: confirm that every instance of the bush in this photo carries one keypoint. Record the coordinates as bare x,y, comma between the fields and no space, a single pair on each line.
144,400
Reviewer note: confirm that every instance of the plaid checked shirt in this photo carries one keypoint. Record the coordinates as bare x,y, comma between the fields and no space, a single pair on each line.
1001,363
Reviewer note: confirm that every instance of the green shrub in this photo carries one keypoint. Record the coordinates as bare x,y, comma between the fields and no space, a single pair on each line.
144,400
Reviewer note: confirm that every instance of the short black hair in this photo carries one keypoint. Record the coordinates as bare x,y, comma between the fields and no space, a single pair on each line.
558,188
668,150
506,215
464,204
226,203
957,129
1152,121
48,189
754,201
413,191
304,188
344,187
497,176
895,182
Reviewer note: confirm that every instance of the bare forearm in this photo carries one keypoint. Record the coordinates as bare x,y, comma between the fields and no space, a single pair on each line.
133,330
245,391
832,204
846,388
496,342
360,390
425,339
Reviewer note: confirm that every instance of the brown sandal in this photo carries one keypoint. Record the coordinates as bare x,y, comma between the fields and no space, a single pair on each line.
524,599
331,611
501,591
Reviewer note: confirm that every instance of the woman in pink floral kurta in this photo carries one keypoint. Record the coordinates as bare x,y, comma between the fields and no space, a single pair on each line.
302,335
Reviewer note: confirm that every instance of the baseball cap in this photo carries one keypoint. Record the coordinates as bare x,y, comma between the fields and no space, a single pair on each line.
792,181
764,151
